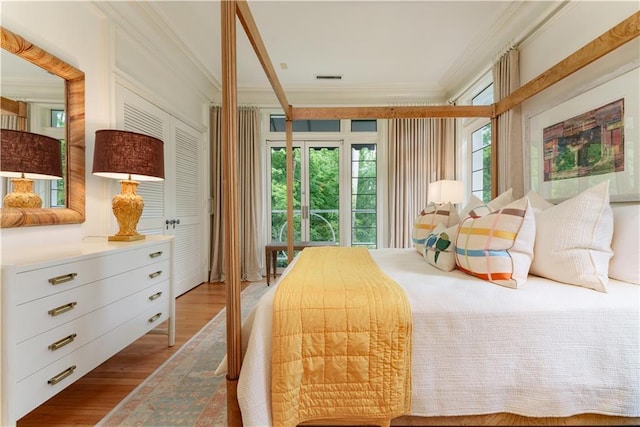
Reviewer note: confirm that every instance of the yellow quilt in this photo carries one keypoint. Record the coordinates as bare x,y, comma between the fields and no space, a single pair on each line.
341,340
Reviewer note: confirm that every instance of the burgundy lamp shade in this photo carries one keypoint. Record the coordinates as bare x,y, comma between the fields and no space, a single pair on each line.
127,155
36,156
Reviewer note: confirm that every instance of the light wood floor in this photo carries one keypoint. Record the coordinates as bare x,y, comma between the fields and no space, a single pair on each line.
89,399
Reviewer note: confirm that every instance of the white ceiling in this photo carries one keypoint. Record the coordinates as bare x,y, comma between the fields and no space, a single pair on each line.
385,51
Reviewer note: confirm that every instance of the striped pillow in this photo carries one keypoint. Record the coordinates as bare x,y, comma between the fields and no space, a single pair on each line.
498,247
427,221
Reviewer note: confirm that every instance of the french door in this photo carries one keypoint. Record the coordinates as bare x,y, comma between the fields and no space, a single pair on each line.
317,191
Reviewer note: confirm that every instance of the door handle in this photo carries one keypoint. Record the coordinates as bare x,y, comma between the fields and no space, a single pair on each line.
172,223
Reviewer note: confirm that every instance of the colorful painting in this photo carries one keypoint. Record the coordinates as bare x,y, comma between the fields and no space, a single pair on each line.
589,144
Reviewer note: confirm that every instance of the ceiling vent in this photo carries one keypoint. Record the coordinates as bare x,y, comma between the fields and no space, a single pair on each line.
328,77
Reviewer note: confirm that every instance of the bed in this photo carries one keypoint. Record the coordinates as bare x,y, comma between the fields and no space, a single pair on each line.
546,350
603,382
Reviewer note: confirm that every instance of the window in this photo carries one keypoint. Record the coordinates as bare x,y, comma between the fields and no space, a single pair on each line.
364,195
277,124
364,125
335,194
485,97
57,118
481,163
481,149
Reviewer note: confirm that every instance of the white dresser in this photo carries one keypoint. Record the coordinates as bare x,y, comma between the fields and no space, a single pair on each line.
67,309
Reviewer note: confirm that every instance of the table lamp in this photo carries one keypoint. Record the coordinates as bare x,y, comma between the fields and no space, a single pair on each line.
25,156
130,157
445,191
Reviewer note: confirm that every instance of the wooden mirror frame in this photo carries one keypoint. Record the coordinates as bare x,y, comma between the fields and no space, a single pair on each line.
74,213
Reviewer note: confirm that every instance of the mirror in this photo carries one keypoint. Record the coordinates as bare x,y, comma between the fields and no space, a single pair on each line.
74,212
33,100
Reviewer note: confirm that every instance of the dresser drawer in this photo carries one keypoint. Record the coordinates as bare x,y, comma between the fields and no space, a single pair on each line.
41,282
46,348
44,314
35,389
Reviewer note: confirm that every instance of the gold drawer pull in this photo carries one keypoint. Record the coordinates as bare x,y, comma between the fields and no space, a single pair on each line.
154,318
62,309
155,296
61,343
62,279
155,254
62,375
156,274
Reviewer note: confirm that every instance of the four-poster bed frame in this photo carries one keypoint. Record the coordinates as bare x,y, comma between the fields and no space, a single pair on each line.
622,33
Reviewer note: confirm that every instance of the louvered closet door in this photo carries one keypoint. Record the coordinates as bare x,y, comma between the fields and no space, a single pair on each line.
190,242
179,199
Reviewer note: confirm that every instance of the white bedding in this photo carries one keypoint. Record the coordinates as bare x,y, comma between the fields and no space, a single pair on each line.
547,349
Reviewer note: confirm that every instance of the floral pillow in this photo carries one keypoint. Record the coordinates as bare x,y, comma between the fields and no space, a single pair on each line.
429,219
439,249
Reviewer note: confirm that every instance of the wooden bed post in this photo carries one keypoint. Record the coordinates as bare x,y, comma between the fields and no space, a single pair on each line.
230,187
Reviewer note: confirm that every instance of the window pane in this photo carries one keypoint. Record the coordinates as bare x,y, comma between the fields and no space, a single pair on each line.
364,185
476,180
364,125
279,194
363,195
277,124
57,118
476,159
363,201
481,137
485,97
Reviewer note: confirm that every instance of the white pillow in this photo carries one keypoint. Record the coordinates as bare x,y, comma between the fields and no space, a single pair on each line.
473,203
480,208
625,264
538,203
501,201
573,240
439,249
498,247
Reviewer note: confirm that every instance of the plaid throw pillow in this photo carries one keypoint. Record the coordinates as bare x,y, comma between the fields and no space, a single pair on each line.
498,247
427,221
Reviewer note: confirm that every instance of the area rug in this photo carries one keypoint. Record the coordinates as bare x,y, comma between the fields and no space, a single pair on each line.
184,391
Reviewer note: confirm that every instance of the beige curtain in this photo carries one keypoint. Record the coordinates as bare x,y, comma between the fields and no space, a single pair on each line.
506,78
9,121
13,122
249,195
420,151
216,243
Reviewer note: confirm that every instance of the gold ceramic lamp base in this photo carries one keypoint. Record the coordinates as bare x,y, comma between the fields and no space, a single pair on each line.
127,208
22,195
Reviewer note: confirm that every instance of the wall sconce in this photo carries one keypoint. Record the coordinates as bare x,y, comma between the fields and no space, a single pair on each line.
445,191
130,157
25,156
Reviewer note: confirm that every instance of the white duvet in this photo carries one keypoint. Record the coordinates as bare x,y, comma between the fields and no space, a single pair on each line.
544,350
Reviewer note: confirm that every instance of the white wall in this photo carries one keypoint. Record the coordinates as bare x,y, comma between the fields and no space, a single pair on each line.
86,35
573,27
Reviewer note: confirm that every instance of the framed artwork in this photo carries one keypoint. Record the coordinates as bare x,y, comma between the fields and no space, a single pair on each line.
588,139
